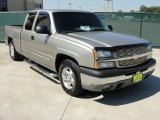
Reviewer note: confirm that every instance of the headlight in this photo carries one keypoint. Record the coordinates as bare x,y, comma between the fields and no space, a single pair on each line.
100,56
149,48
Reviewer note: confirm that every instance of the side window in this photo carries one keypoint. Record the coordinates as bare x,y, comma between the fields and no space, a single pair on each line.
30,21
43,20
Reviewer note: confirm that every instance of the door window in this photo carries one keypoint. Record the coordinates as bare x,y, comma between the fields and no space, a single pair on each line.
43,20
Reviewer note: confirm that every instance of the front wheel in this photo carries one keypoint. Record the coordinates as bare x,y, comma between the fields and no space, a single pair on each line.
70,78
13,53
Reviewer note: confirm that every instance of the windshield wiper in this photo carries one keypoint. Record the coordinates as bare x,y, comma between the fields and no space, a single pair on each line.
98,29
94,29
66,32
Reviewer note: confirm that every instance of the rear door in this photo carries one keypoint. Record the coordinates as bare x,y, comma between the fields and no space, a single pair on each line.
26,41
42,44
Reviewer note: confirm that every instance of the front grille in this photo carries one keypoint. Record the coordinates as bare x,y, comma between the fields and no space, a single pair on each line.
132,62
126,52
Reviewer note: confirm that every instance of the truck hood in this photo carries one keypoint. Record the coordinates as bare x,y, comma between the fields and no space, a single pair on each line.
105,39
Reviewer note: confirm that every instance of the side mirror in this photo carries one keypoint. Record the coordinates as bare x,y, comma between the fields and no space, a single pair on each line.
42,30
110,27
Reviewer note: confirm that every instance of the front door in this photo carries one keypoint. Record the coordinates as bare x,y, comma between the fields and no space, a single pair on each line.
41,50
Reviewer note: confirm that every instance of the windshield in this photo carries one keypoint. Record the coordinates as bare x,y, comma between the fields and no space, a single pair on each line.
68,22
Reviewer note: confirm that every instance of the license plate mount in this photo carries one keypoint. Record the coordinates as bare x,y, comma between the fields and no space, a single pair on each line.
137,77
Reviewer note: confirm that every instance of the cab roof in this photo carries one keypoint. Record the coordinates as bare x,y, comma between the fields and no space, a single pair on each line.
56,10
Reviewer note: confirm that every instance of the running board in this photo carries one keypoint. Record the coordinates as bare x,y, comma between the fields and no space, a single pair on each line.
46,73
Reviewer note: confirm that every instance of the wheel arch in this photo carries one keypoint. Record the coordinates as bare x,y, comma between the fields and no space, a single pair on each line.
9,40
61,57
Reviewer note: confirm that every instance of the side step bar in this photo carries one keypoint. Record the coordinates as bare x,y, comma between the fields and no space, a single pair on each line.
46,73
42,70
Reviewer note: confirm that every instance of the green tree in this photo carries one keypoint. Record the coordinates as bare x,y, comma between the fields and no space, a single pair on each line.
132,11
153,9
143,9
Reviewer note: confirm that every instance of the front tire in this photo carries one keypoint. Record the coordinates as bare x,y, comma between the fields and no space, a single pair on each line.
13,53
69,76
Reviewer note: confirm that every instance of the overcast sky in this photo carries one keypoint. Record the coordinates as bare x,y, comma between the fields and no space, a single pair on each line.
98,5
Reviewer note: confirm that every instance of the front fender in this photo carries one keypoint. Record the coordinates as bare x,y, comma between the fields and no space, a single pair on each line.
84,56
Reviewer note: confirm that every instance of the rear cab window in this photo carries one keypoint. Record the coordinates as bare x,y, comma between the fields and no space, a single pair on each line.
30,21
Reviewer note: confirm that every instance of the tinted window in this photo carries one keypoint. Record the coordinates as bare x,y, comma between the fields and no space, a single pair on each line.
3,5
30,21
66,22
43,20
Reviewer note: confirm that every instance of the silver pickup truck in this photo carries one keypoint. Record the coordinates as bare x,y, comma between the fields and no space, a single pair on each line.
77,49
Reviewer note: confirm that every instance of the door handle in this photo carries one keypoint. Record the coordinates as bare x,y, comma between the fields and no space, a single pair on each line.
32,37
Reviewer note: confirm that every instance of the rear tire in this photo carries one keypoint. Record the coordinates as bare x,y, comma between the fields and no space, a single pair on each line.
13,53
69,76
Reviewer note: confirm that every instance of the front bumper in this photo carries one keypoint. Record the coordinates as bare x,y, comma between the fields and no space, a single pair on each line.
102,80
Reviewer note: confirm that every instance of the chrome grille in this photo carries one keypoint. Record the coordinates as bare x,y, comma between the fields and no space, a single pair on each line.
126,52
132,62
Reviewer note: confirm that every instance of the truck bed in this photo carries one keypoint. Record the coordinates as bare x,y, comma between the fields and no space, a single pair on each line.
14,26
13,31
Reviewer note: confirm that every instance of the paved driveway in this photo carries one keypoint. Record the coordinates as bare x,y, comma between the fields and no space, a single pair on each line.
27,95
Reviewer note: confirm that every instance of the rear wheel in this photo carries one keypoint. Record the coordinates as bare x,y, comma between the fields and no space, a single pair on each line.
13,53
70,78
